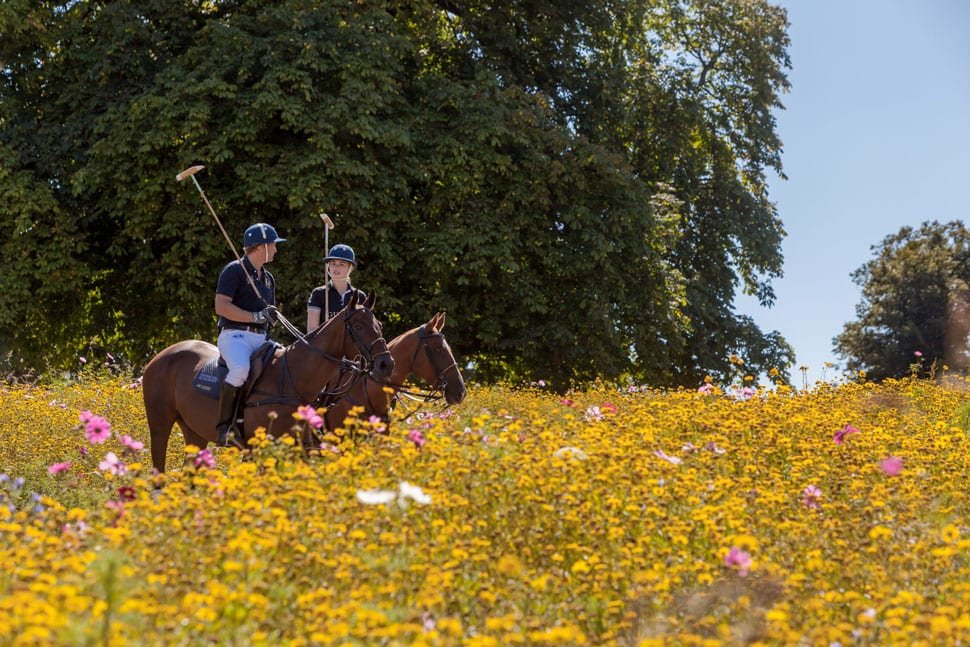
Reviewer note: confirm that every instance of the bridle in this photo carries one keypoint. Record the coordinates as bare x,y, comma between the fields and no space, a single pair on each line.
358,367
437,390
368,351
440,384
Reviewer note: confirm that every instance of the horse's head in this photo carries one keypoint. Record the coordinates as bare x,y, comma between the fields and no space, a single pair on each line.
439,368
364,337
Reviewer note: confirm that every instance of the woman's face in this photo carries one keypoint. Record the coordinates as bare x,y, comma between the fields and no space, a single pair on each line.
340,270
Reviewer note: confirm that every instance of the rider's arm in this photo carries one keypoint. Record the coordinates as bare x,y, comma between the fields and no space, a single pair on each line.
312,318
225,308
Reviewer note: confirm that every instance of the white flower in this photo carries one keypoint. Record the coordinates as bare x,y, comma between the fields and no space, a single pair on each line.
575,452
409,491
383,497
376,497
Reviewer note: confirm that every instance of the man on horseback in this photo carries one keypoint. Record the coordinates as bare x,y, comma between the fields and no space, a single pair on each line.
327,300
245,302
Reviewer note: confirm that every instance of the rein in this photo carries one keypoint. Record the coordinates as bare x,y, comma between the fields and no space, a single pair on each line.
358,367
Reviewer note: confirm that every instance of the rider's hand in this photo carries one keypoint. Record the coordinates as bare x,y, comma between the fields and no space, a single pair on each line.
268,315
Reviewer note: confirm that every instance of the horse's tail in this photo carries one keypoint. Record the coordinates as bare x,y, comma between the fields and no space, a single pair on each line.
160,411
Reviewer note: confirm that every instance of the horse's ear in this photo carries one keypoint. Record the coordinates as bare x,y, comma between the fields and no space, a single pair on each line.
441,321
370,301
353,300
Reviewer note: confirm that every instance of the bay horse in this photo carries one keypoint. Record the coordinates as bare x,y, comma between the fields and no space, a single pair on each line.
294,376
436,366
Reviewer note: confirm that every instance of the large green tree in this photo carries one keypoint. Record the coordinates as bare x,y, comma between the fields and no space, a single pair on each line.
914,303
581,185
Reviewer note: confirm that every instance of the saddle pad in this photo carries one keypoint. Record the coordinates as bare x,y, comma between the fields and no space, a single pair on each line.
213,373
210,376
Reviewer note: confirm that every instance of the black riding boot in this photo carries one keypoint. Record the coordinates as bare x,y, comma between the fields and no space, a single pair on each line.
228,399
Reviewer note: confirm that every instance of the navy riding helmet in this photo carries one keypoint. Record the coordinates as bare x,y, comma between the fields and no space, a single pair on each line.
260,234
342,252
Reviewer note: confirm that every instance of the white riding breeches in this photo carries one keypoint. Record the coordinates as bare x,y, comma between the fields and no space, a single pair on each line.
236,347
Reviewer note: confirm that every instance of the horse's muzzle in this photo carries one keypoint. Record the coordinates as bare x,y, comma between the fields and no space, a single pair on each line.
383,366
455,395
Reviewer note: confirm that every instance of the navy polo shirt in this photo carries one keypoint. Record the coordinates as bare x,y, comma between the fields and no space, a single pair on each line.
233,284
337,302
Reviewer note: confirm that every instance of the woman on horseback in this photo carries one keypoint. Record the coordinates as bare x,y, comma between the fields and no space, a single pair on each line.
332,297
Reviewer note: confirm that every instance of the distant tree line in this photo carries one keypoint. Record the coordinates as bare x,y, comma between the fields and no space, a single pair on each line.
914,315
580,185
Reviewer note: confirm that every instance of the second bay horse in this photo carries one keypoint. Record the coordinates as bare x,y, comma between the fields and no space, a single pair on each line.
423,351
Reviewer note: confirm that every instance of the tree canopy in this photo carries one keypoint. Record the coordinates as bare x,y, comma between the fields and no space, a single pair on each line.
915,309
581,185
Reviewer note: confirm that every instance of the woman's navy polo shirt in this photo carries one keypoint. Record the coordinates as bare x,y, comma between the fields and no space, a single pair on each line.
337,302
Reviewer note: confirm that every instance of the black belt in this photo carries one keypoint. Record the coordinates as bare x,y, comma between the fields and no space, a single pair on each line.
259,329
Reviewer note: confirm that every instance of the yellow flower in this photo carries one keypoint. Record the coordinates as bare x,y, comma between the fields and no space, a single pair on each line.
509,565
950,533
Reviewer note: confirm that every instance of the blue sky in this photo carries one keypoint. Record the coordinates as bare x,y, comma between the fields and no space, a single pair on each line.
876,135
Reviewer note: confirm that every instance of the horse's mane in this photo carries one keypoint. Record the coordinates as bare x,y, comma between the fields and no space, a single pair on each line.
319,329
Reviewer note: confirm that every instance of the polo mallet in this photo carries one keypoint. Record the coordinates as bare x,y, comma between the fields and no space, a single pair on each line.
190,172
327,226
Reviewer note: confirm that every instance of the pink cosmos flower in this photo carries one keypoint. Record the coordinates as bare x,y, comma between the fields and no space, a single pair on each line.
744,393
96,429
739,560
377,424
711,446
811,496
843,433
57,468
417,438
891,466
707,389
566,401
205,458
309,414
134,446
673,460
593,413
608,407
113,464
918,353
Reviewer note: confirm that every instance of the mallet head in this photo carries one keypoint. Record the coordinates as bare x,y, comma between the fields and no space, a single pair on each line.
189,172
326,220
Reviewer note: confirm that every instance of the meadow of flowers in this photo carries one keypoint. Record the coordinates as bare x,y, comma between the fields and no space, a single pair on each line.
836,515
